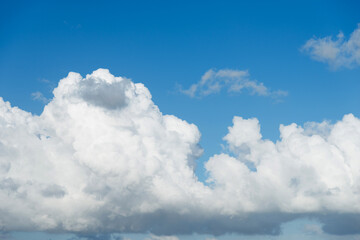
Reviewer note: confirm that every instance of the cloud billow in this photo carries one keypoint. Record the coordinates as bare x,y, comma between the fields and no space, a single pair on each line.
102,158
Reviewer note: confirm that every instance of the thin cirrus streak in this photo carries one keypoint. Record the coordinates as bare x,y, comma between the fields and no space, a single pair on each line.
103,158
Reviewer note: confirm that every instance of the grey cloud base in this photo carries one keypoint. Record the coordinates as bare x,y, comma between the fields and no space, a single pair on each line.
102,158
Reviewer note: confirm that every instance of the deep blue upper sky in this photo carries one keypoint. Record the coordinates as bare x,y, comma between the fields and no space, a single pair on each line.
165,43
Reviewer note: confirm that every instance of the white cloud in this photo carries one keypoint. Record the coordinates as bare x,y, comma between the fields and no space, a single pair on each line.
232,80
103,158
39,96
300,173
154,237
313,229
336,52
100,145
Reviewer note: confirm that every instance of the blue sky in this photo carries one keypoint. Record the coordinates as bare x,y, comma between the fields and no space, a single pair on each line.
167,44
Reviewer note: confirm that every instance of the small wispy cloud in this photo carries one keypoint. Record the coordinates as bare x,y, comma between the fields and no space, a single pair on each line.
336,52
234,81
313,229
39,97
154,237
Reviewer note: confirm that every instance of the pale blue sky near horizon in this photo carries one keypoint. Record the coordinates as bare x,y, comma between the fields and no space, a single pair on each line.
164,44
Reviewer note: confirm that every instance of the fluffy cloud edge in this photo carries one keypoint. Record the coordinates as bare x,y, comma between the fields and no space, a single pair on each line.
103,158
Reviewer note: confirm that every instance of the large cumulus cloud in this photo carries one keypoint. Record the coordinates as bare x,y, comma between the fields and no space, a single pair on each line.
307,170
103,158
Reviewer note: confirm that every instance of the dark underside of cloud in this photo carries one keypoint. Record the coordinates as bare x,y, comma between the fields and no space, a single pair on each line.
161,223
340,224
